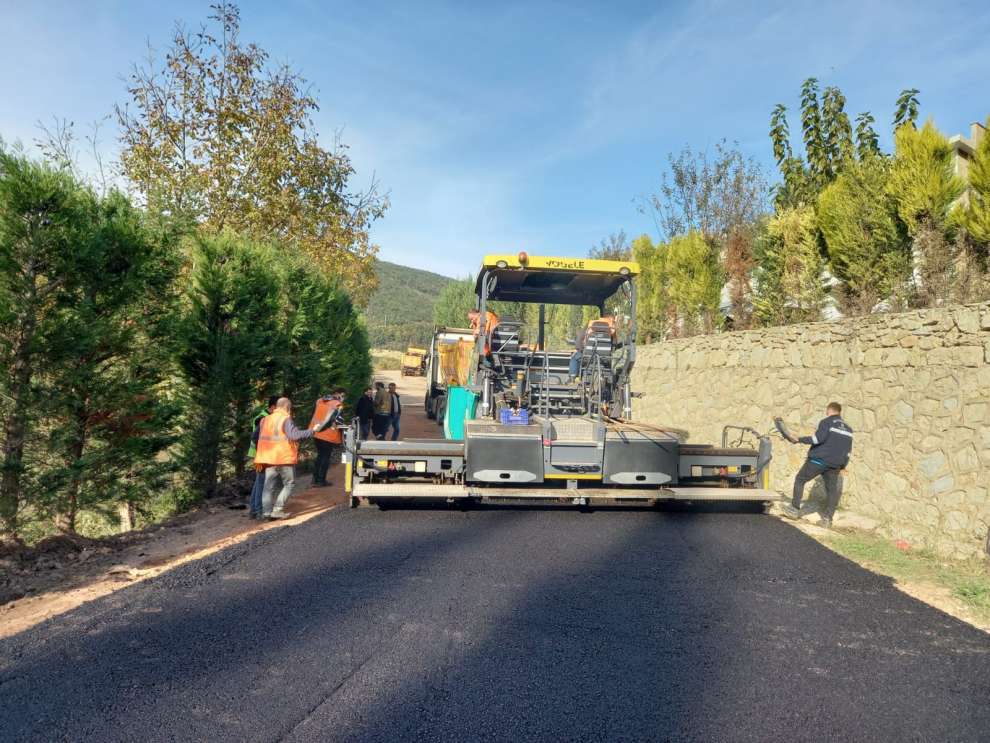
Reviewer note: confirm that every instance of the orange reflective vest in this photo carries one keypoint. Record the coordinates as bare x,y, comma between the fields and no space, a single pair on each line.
322,412
274,447
601,325
604,324
491,322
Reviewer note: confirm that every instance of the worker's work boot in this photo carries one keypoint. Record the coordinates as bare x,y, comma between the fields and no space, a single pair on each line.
791,512
825,521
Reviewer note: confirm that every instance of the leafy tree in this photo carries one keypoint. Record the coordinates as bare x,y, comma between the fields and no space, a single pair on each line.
653,310
866,246
795,188
921,178
829,144
721,197
454,302
780,134
613,248
790,269
867,141
216,136
713,195
906,109
924,188
838,130
813,130
694,279
975,214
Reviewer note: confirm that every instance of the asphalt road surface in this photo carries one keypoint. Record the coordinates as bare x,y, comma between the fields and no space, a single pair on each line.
507,624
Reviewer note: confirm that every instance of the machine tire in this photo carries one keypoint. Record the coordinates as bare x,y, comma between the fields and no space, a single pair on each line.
431,413
441,410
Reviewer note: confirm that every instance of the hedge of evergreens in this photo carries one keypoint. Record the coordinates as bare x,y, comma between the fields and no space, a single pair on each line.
134,352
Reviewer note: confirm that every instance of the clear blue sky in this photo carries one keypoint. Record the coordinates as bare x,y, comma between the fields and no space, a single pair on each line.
524,126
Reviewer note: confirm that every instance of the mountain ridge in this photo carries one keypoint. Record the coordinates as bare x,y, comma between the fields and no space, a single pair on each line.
400,312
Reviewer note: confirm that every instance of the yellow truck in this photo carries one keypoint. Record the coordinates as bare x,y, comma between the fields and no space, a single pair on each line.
414,362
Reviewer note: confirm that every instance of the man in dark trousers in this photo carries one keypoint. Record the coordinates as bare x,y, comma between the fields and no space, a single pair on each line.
365,411
327,413
395,410
830,446
383,411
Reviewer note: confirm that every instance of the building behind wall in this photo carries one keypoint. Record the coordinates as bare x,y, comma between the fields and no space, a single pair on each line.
963,150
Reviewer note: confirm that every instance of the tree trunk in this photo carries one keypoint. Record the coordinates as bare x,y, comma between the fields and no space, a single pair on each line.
15,428
126,513
242,437
76,449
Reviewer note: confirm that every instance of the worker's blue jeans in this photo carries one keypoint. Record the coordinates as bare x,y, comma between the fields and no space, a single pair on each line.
287,474
394,421
574,366
259,486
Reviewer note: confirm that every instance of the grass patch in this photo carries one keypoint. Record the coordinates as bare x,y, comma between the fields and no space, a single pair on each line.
384,360
969,582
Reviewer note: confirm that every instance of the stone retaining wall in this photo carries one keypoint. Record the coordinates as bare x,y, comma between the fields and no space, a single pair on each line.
915,388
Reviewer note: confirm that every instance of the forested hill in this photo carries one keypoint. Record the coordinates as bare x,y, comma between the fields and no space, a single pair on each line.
400,312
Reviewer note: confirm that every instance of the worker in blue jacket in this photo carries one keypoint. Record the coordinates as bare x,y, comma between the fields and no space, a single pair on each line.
831,446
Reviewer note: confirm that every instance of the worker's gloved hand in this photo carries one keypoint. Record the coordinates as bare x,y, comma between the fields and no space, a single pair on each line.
782,429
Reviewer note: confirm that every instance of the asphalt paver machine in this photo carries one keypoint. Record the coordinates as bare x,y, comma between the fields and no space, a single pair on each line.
531,424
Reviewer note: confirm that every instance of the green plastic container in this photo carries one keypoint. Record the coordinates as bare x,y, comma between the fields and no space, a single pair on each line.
461,406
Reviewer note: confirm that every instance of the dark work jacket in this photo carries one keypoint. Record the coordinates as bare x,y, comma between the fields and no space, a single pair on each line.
831,444
396,405
365,408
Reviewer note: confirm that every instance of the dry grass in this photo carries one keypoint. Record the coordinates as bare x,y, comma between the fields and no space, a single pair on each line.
967,582
383,359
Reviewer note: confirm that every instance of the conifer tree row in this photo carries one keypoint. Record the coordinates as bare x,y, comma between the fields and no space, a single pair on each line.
135,349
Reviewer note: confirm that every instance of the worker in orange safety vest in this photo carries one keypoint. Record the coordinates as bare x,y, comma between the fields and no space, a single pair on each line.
491,322
329,408
603,324
259,478
278,448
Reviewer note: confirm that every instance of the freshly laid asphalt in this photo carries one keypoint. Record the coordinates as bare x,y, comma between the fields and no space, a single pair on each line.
504,624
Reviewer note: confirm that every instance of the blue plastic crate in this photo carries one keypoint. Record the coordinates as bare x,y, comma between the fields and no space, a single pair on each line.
509,418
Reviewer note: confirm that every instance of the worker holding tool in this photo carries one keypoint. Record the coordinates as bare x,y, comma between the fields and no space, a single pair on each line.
491,322
278,448
830,445
328,408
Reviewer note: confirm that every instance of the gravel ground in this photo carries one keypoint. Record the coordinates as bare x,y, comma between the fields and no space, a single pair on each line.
509,624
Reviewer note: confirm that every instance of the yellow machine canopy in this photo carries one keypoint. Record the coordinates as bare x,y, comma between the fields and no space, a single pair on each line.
545,280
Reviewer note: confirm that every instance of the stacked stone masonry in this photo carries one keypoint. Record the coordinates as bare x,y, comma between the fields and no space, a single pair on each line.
915,388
